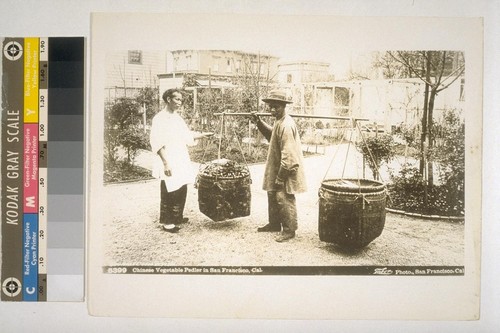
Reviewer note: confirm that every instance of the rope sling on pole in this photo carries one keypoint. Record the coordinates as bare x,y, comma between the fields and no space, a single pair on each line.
366,219
224,185
365,200
354,121
351,215
221,135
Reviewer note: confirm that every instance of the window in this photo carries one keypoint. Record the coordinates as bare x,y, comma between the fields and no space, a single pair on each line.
135,57
215,64
289,78
176,64
341,101
228,66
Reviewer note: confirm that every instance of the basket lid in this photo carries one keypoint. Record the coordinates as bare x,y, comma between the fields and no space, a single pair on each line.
353,185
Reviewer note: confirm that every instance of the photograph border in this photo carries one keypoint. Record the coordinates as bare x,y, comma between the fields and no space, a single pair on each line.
460,293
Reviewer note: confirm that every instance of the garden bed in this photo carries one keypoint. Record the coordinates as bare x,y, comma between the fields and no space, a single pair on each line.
122,171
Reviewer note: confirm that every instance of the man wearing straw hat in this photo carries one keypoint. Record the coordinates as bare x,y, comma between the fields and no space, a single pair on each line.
284,172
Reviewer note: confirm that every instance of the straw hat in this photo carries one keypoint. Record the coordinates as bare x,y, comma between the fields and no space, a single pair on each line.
277,96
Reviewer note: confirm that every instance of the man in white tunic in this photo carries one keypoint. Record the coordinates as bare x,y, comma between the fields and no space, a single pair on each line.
169,139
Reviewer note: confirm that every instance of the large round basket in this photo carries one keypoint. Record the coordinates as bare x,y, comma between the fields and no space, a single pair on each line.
351,211
224,197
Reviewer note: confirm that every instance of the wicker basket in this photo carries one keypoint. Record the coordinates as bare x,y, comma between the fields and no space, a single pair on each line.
224,197
351,212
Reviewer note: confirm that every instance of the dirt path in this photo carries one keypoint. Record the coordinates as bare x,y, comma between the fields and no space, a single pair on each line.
134,237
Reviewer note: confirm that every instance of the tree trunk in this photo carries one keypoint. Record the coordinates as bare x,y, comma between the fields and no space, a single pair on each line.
425,127
430,136
423,135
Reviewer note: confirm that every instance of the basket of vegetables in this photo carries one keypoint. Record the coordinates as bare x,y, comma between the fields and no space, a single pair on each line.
224,189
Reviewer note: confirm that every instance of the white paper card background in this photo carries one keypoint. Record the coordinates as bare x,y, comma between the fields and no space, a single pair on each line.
298,297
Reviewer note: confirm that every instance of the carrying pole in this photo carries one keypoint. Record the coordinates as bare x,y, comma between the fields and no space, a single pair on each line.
296,115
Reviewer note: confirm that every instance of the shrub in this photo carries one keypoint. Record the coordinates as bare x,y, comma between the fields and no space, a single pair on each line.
134,139
449,152
407,190
376,150
124,136
409,134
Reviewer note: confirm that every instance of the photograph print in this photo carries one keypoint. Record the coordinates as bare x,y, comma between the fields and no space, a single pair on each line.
284,152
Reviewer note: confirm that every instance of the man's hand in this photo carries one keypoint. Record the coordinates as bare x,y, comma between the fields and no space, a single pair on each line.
280,184
167,170
254,117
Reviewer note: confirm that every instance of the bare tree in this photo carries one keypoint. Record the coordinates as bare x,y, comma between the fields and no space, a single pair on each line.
437,70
